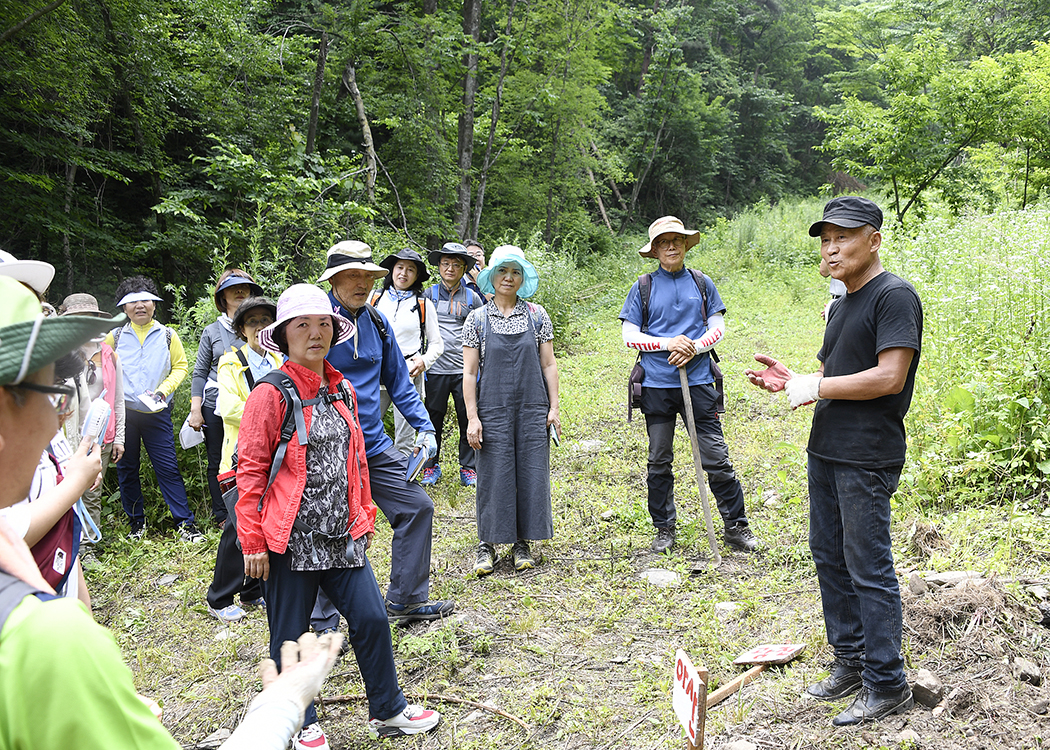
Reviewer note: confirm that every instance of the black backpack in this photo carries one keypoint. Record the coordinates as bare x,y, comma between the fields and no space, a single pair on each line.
634,385
294,424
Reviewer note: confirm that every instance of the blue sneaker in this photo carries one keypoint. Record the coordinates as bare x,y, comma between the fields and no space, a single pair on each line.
232,613
402,614
431,475
468,477
260,602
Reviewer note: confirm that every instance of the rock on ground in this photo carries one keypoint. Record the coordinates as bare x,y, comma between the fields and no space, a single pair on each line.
928,688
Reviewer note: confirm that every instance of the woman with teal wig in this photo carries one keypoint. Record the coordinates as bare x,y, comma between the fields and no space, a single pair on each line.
512,406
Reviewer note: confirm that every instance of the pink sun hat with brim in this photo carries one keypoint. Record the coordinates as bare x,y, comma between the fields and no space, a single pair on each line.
305,299
666,224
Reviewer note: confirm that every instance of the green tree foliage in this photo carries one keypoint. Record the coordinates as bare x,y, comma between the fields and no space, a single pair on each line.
159,137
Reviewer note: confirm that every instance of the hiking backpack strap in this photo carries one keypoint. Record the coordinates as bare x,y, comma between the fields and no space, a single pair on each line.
247,369
421,308
377,318
12,592
376,296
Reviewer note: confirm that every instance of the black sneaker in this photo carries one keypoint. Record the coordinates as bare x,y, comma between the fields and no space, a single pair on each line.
740,537
873,706
664,540
137,533
189,532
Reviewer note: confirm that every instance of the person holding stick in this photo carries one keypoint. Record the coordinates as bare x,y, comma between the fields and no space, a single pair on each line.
674,317
862,391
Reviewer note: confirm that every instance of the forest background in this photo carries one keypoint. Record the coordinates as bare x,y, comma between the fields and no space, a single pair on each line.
177,138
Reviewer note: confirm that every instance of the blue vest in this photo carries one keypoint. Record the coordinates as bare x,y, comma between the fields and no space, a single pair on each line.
145,365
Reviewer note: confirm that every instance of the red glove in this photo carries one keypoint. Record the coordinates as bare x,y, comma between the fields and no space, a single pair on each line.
773,378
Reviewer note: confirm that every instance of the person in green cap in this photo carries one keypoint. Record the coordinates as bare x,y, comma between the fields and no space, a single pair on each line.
63,682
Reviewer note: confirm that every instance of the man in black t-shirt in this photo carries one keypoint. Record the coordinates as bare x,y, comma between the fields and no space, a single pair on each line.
856,451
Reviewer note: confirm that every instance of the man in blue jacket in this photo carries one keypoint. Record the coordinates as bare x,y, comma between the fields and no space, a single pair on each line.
677,326
370,359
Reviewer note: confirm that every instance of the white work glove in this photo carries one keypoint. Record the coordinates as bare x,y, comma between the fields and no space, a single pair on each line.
428,442
277,712
803,389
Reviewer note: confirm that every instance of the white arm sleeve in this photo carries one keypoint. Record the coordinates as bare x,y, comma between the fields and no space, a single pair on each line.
268,725
635,339
716,331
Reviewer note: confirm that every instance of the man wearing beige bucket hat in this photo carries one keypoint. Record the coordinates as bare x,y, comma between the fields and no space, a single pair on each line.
372,358
673,316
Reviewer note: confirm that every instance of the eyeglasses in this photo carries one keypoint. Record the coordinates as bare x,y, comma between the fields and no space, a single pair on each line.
661,242
455,264
58,395
260,322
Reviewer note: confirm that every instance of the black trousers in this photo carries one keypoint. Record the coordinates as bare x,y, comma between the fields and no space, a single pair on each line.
229,579
439,388
213,435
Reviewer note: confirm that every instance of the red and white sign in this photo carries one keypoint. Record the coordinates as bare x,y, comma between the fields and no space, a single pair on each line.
686,695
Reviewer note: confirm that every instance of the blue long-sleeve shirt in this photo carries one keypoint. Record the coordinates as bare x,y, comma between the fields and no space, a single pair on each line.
378,362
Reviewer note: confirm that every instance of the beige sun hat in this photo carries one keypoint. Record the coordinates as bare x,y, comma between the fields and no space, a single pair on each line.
348,255
666,224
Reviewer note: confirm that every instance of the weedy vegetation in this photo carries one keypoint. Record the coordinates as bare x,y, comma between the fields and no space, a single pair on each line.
581,649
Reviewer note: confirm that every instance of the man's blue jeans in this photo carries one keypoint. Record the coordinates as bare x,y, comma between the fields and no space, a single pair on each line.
849,536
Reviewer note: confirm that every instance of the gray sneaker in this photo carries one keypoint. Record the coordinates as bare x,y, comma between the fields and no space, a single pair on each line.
485,562
522,556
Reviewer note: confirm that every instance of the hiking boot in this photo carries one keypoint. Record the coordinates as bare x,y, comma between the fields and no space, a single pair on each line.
413,720
431,474
873,706
486,560
137,533
664,540
189,532
468,477
232,613
740,537
843,680
522,556
403,614
310,738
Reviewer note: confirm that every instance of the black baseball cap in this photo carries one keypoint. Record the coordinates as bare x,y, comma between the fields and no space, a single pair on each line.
848,211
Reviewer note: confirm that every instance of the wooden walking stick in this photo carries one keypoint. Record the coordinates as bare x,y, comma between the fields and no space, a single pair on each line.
690,425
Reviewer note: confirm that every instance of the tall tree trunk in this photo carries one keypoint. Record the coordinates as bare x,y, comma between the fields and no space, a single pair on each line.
315,104
597,193
490,157
471,30
612,182
350,82
67,250
647,51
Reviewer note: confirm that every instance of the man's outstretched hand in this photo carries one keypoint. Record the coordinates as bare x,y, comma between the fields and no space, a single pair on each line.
773,378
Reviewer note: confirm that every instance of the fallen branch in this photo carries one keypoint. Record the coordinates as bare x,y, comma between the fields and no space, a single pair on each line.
445,698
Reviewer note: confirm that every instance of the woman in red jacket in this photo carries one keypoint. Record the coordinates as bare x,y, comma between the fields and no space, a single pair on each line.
311,527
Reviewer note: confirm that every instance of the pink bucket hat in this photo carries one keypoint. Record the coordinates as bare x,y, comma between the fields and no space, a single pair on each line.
666,224
305,299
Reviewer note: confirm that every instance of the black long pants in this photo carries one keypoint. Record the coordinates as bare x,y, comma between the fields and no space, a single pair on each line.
213,435
439,388
229,579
